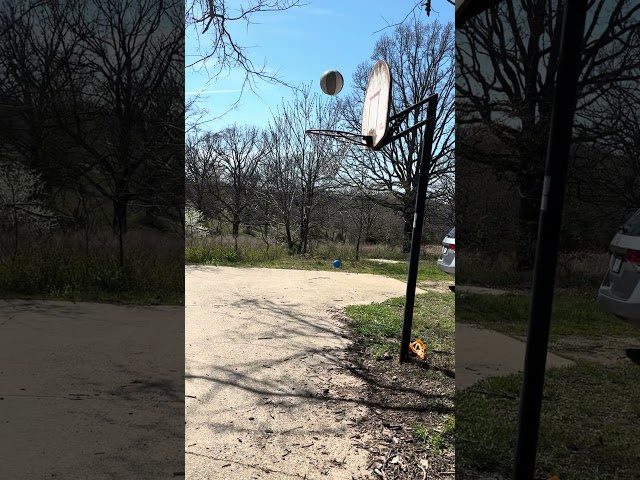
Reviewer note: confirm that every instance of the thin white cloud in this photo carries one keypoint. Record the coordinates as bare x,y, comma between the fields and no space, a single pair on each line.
211,92
320,12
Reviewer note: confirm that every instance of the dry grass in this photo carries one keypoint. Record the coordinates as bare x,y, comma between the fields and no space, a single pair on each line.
221,248
575,270
67,267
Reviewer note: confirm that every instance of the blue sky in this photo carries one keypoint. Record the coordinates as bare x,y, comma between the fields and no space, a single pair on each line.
300,44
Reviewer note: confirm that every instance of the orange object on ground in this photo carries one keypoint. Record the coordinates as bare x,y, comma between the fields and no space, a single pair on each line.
418,348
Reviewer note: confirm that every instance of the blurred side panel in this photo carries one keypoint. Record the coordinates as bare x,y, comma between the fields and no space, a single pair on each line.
507,59
91,239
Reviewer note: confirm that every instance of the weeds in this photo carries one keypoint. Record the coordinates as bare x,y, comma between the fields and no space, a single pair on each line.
59,267
378,325
221,250
436,439
580,270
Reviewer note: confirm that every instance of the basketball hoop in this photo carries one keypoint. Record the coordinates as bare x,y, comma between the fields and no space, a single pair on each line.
375,112
379,128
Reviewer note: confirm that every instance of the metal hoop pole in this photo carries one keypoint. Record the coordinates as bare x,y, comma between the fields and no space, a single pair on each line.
418,219
544,272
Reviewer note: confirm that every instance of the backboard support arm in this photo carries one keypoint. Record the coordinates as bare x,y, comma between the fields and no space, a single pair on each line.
402,133
398,118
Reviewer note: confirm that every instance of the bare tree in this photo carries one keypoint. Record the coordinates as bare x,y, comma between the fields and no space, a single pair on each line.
38,51
299,169
279,186
25,9
420,57
606,170
507,61
131,57
37,46
237,157
200,169
315,160
194,115
361,210
219,51
212,20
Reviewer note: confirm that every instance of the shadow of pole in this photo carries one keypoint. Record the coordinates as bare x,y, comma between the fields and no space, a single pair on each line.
633,354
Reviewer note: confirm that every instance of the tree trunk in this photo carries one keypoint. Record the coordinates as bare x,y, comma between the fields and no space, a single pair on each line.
236,231
86,225
302,238
530,188
304,232
287,230
120,225
16,236
305,242
121,246
407,215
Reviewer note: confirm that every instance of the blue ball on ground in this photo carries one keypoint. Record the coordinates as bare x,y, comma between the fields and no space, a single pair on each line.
337,263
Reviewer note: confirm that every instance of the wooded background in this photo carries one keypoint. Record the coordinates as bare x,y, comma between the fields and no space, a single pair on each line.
91,136
293,189
507,58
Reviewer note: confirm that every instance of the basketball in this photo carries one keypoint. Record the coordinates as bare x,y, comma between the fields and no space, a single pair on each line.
337,263
331,82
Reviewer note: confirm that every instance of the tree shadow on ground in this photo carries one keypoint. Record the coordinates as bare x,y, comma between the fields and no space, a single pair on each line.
296,324
426,402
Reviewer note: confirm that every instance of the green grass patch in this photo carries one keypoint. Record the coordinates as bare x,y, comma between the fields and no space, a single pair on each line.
421,432
573,314
589,425
254,253
259,258
378,325
436,439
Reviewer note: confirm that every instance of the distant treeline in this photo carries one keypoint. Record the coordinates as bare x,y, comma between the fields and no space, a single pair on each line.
91,120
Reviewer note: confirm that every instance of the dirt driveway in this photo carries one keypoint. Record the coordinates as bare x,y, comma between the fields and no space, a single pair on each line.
267,392
90,391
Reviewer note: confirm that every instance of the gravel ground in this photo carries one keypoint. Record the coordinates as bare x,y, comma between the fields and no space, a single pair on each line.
270,389
90,391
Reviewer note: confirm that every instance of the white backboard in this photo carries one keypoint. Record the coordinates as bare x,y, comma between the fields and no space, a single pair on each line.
377,101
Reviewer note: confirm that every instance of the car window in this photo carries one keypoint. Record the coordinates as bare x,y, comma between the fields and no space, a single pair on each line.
452,233
632,226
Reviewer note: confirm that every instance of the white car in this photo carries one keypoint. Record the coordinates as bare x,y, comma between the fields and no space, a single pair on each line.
619,293
447,260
